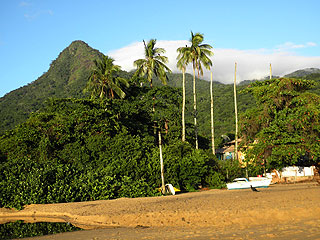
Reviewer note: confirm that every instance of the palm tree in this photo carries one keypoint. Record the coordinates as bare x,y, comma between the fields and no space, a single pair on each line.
181,64
154,64
103,81
197,54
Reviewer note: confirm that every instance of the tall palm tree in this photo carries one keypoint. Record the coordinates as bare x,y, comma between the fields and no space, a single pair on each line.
197,54
181,64
103,81
154,64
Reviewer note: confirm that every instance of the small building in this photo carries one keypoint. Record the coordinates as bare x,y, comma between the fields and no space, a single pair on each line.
285,175
294,174
227,151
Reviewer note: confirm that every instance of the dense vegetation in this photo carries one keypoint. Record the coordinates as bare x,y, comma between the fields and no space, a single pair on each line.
80,149
69,73
72,148
68,76
284,128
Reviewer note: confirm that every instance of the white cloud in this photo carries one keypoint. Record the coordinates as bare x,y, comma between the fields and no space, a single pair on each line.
311,44
289,45
251,64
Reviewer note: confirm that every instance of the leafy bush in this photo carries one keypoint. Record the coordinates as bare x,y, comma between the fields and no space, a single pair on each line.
185,167
28,182
216,180
229,169
136,188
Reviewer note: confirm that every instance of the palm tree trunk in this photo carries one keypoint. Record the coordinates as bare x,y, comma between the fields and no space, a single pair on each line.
195,108
153,110
236,113
160,144
161,163
183,105
212,123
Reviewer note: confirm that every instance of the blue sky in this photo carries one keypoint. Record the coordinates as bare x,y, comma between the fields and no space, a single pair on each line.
253,33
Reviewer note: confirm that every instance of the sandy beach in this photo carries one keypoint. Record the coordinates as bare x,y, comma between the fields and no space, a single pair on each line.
282,211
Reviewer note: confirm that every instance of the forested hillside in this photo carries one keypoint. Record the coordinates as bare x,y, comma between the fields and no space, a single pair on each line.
303,73
223,104
68,75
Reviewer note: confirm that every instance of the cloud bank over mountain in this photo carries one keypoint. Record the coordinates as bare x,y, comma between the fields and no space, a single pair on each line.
251,64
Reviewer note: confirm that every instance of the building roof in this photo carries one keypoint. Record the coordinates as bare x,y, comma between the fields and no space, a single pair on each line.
225,149
228,147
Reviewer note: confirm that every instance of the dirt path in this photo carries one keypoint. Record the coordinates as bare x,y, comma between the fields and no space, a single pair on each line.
278,212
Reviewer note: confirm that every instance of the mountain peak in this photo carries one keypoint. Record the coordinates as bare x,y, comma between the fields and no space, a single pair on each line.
78,44
303,72
67,76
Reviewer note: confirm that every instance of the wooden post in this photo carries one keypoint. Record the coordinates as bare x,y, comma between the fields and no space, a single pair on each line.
212,123
236,113
183,104
163,190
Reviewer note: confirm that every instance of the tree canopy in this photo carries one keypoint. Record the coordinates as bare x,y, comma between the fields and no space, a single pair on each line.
104,82
153,63
284,128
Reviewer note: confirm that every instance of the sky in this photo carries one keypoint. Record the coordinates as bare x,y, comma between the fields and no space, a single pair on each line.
253,33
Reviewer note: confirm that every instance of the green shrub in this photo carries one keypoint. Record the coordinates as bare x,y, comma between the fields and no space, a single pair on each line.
216,180
185,167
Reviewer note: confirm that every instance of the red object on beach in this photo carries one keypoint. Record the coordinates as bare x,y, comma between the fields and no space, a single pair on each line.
259,176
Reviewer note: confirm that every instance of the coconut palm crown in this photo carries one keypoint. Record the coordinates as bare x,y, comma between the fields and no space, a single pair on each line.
197,54
103,81
153,63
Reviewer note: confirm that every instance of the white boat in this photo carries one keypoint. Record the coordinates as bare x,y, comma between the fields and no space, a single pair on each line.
243,183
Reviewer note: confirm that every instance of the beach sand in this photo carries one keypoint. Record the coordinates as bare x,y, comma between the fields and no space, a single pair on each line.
282,211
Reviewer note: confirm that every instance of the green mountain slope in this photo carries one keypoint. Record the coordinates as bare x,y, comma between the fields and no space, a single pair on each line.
68,74
302,73
223,104
66,77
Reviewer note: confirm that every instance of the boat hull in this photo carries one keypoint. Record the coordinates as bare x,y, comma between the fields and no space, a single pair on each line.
245,184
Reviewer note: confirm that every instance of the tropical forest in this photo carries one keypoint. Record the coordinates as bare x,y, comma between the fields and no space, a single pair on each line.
87,130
